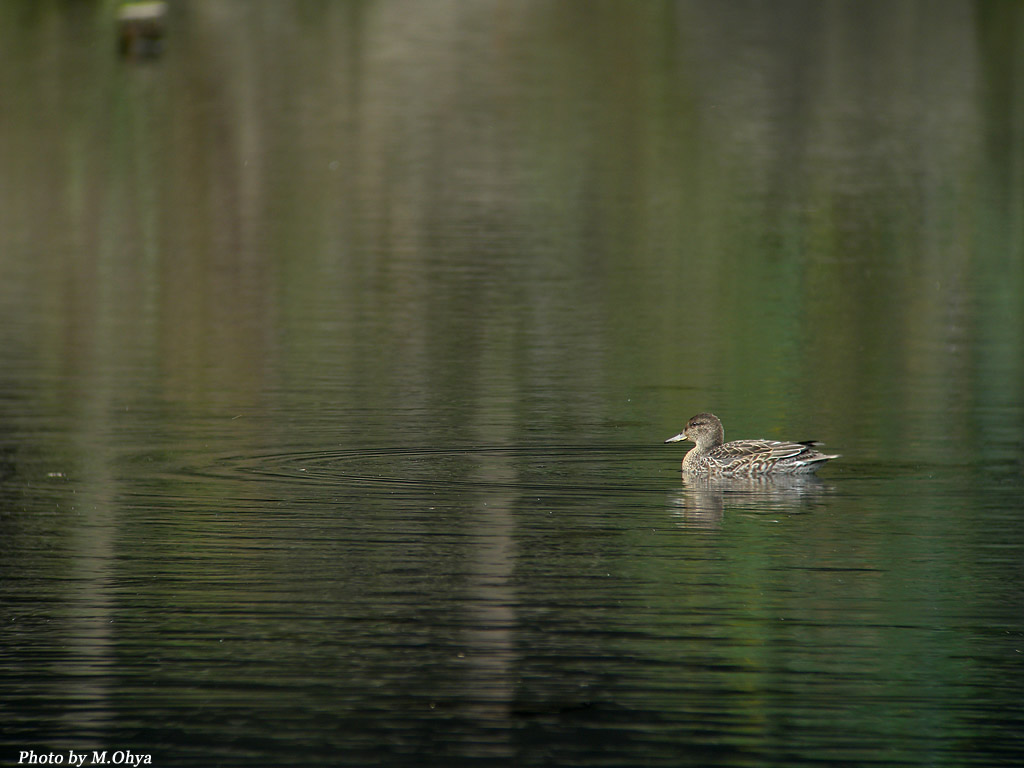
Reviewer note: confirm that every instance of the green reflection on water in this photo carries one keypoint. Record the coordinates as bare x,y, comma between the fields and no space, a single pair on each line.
610,204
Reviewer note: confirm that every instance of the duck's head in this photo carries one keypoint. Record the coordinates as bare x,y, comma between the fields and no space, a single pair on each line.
704,429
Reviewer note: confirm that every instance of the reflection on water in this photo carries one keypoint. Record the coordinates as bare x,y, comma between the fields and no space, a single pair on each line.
337,346
702,501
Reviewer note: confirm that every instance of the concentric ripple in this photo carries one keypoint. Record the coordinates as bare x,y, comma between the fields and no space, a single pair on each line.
551,469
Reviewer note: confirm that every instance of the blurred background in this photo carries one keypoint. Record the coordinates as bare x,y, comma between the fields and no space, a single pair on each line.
351,331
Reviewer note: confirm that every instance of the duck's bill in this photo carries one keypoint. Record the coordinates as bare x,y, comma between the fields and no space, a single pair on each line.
677,438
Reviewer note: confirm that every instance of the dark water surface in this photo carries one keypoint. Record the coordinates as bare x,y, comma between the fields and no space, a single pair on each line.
338,346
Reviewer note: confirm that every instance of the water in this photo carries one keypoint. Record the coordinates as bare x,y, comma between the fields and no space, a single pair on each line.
338,346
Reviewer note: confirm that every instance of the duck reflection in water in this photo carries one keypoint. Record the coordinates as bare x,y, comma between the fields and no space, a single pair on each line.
702,500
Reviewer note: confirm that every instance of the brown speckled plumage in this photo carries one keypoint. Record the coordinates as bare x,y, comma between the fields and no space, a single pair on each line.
743,458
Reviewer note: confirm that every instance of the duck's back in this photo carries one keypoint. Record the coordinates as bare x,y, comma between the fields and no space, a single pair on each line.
762,457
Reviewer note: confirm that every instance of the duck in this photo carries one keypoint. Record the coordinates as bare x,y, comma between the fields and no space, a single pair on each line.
713,457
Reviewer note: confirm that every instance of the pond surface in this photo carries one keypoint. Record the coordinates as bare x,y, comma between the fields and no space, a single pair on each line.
338,346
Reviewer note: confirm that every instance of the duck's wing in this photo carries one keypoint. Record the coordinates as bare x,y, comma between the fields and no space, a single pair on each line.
760,453
772,449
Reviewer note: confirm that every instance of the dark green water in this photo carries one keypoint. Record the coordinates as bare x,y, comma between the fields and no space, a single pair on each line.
338,346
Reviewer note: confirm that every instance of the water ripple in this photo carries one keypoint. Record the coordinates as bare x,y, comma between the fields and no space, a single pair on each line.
543,470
